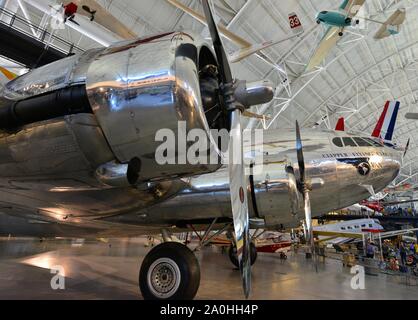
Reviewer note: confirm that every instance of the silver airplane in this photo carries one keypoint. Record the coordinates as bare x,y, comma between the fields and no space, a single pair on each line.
77,156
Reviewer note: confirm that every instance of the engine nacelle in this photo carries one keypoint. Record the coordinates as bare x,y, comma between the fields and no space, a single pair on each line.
140,87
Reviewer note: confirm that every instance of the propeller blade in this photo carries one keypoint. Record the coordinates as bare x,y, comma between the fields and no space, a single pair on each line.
238,190
237,182
299,151
406,148
223,64
305,193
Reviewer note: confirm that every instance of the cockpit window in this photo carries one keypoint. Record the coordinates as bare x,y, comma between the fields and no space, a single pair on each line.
361,142
373,142
355,142
337,142
348,142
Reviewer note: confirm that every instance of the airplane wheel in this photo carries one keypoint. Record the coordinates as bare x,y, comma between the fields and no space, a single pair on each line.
318,22
232,253
340,34
170,271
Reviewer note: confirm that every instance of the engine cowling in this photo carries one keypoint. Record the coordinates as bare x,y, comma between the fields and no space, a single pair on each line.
134,89
139,88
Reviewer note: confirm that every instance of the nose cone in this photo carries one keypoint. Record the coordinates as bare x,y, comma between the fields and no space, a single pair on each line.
385,167
377,168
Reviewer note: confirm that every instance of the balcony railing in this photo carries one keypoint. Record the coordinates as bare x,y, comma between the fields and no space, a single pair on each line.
24,26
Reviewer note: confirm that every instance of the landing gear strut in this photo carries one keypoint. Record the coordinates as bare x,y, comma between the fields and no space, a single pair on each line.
232,253
170,271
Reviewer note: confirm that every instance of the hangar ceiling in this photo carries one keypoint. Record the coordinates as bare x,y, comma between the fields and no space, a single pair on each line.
354,81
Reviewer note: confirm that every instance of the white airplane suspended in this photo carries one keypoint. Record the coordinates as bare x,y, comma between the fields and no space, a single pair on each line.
87,17
355,230
246,48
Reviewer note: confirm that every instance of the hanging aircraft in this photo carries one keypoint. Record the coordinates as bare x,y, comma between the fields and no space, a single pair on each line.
90,10
246,48
79,144
356,230
336,21
346,16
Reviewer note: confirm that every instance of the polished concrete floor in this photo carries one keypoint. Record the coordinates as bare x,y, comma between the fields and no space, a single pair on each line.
100,270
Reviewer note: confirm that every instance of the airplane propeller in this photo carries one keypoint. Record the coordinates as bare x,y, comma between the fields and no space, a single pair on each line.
238,188
304,190
406,148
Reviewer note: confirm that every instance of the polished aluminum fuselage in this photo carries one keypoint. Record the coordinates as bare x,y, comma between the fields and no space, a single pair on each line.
74,204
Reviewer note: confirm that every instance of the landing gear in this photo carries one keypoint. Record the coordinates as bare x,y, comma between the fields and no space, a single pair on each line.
232,253
318,22
340,33
170,271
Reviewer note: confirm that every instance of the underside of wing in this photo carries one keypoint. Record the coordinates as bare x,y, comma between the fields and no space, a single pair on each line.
224,31
352,7
93,10
392,25
325,46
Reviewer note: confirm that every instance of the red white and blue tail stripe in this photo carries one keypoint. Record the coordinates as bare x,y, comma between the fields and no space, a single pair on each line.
386,124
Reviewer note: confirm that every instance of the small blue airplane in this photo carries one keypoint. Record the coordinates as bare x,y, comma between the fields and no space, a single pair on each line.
337,21
343,17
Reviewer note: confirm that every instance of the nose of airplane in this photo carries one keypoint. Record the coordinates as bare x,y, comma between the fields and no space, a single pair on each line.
384,168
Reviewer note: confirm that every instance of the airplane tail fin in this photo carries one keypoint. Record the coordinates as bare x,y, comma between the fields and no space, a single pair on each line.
386,123
340,124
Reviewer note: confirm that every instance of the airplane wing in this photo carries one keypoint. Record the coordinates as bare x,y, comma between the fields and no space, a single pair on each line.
295,26
351,7
250,114
389,234
328,41
104,18
224,31
392,25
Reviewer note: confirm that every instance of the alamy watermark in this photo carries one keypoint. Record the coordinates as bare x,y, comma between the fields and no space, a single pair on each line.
198,147
57,17
358,281
58,280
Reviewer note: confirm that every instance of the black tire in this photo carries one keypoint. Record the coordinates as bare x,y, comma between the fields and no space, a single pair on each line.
169,259
340,34
232,253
